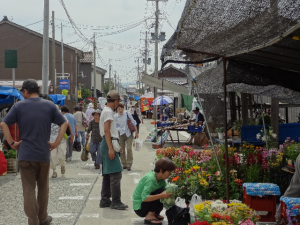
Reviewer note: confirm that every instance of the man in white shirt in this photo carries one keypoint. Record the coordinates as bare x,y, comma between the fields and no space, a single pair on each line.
111,165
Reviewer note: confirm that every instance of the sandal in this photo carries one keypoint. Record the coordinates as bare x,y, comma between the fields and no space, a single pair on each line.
159,218
150,221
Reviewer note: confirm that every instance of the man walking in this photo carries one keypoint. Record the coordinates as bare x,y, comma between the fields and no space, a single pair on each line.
111,165
72,121
79,116
34,116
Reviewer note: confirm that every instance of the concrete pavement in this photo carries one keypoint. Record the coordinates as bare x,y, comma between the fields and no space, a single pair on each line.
75,196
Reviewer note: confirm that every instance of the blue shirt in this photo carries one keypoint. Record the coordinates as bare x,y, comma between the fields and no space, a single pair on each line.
34,117
72,121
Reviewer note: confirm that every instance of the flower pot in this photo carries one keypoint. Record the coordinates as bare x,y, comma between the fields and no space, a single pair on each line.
221,136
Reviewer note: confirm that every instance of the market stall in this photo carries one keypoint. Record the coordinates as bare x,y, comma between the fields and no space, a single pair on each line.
146,101
8,96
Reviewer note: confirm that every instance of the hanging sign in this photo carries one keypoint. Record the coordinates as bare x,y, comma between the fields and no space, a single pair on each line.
64,84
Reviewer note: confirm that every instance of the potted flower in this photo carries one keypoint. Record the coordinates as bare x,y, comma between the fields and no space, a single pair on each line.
220,131
292,153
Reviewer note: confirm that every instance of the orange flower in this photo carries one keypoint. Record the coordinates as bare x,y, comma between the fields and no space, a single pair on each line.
175,179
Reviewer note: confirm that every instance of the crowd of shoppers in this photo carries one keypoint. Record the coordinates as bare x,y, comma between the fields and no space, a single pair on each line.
56,128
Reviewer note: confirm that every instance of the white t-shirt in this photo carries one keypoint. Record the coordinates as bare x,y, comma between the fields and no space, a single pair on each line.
108,114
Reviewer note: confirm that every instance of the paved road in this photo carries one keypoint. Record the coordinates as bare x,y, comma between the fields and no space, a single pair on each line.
75,196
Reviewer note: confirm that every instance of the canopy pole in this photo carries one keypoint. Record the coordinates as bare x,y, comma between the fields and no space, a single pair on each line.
212,143
225,129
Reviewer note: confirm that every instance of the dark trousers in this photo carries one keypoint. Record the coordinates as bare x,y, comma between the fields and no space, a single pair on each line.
154,206
138,127
35,174
111,187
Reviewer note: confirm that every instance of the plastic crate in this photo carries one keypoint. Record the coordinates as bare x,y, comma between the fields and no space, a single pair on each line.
291,130
195,129
266,203
284,207
158,124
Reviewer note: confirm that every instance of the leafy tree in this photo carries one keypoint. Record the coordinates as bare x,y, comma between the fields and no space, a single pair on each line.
106,87
85,93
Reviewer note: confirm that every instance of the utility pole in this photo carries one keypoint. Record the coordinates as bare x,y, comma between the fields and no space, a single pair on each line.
53,54
45,67
109,85
146,52
119,84
115,80
139,76
156,55
95,92
62,53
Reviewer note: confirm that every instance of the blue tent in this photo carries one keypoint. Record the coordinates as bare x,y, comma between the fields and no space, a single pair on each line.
58,99
136,98
8,95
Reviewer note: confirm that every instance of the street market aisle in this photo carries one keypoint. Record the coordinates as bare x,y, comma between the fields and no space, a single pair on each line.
75,196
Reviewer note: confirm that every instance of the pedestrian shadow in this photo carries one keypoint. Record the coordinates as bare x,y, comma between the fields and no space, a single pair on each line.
8,178
113,214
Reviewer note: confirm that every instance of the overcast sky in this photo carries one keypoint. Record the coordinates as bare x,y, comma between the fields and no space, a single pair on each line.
113,15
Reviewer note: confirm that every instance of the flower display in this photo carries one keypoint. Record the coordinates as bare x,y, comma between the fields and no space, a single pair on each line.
218,212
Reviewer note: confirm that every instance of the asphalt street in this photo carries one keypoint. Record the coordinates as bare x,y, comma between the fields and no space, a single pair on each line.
74,197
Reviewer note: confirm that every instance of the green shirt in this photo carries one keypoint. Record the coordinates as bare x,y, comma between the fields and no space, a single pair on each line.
145,187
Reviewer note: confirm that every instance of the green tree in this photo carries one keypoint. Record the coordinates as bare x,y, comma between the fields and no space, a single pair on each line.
106,87
85,93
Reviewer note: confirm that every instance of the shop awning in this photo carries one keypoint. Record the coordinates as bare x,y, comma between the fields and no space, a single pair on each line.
165,85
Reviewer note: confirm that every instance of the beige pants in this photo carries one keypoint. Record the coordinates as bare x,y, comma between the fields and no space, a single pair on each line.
58,154
126,160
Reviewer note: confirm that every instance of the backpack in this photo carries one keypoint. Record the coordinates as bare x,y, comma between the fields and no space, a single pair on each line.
178,216
84,122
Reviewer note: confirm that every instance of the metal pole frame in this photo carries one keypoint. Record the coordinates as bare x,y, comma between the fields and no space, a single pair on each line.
225,129
45,67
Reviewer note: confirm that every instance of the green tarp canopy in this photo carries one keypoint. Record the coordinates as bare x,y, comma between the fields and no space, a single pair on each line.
187,101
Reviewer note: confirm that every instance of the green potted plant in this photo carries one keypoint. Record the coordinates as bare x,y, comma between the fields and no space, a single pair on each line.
237,124
220,131
292,154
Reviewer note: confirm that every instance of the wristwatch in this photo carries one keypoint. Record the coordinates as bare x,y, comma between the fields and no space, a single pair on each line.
12,143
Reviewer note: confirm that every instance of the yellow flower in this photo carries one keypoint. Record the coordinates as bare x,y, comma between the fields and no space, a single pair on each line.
188,171
203,182
219,178
204,173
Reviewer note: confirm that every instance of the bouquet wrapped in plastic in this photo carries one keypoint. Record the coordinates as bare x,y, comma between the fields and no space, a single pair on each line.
169,202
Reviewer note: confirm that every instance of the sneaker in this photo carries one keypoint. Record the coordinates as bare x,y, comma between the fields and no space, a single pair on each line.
129,168
124,167
68,160
54,175
63,169
118,206
105,204
97,167
48,222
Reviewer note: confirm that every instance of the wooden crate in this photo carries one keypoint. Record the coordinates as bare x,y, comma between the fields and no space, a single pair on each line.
266,203
11,165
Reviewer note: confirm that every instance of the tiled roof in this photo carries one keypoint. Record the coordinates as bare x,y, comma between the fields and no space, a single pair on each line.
88,57
176,80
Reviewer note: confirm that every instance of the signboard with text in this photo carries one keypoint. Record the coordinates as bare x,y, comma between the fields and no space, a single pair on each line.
64,84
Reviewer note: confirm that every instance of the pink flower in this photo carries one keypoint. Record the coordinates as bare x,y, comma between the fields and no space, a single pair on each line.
218,173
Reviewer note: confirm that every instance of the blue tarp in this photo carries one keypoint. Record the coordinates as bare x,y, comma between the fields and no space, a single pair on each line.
58,99
136,98
8,94
131,96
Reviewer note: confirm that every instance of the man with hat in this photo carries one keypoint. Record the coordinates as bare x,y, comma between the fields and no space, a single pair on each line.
34,116
199,121
110,152
96,138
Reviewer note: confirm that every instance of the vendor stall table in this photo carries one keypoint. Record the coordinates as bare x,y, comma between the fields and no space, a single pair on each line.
235,140
290,173
169,132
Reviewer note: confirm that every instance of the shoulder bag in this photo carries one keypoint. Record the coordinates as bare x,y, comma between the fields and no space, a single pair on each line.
130,125
84,122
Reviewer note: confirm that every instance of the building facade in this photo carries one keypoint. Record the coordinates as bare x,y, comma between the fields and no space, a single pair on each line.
29,46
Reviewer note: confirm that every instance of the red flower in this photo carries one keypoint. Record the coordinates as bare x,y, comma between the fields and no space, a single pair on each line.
216,216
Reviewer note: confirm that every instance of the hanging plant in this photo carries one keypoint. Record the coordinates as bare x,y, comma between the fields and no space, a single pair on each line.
64,92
